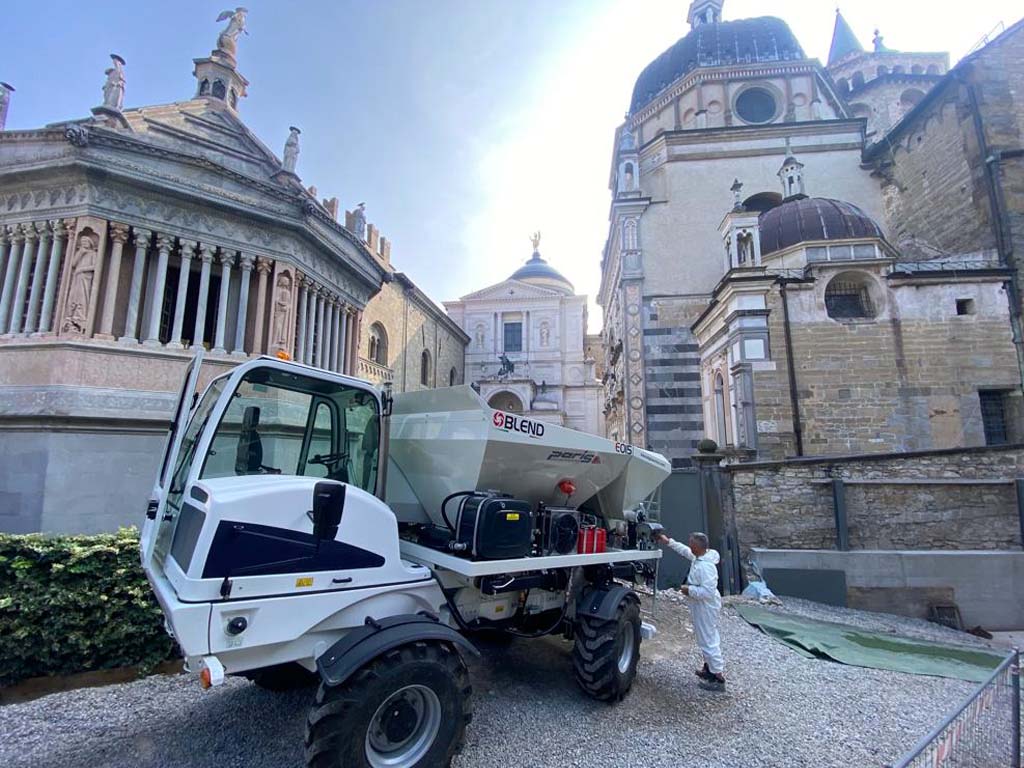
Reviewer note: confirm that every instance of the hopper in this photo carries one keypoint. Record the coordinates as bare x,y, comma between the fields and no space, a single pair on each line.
443,441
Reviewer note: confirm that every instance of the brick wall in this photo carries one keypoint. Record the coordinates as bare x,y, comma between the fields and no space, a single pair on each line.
788,505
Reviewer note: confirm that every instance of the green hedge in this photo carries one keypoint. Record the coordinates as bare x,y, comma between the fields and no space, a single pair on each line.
75,604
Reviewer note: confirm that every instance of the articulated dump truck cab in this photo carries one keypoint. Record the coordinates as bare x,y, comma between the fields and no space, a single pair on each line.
304,526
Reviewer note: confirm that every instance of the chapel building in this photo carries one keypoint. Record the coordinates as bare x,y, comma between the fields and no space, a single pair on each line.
765,283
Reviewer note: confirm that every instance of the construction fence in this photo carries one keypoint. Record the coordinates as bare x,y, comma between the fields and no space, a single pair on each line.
983,732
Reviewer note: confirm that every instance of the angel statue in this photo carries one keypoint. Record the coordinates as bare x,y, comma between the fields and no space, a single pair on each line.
535,239
113,88
227,41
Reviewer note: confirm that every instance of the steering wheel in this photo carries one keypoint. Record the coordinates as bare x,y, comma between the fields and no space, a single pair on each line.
328,459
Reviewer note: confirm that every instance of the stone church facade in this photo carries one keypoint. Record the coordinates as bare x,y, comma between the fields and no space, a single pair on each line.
128,241
769,284
529,351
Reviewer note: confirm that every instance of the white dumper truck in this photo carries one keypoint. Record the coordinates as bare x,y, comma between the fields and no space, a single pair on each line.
304,523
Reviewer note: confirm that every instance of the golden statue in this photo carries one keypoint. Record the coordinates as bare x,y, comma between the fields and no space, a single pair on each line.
535,239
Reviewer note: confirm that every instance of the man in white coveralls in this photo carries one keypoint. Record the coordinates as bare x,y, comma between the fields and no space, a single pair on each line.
705,604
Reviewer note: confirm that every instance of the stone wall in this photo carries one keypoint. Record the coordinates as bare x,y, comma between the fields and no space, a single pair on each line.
413,324
955,499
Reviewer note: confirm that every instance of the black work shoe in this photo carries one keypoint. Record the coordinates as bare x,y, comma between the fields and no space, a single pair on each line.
714,683
704,674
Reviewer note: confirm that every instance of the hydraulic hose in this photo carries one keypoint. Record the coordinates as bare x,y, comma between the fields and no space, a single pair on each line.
449,497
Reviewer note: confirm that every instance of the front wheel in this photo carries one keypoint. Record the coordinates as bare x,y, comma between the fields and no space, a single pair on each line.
606,653
406,709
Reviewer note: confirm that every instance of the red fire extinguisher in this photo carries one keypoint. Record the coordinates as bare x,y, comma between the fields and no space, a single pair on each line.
591,540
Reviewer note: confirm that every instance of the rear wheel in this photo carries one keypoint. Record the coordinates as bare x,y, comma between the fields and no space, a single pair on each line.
606,653
406,709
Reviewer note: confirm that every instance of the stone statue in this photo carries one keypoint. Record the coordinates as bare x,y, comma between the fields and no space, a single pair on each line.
227,40
745,243
479,337
507,366
282,308
5,98
535,239
113,89
76,313
545,334
359,221
291,150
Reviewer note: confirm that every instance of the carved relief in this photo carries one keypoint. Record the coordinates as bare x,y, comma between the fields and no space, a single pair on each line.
281,320
84,264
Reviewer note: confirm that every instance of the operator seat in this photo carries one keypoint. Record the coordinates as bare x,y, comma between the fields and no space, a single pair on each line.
249,453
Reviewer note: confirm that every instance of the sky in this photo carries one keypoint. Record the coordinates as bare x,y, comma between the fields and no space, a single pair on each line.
465,125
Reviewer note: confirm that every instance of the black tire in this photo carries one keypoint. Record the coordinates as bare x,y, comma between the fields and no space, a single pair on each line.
599,655
338,727
283,677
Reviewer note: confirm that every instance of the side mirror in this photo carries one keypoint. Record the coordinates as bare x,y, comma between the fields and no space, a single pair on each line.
328,504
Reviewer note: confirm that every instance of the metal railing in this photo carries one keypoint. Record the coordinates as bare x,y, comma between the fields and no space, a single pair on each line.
983,732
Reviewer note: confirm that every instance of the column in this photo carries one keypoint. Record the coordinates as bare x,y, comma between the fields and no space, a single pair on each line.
307,356
131,323
6,246
206,252
353,359
245,263
226,257
119,235
321,296
187,251
17,238
329,313
300,319
35,294
263,267
343,341
18,302
164,246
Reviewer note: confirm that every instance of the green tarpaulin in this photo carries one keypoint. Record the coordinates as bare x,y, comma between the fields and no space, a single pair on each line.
860,648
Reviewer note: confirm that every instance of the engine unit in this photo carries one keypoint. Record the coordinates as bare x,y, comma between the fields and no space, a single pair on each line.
559,530
492,526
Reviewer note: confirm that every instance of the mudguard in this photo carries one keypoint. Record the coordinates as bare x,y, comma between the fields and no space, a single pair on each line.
602,602
362,645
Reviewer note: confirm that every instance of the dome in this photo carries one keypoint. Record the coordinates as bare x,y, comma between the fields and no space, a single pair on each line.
714,45
539,272
813,218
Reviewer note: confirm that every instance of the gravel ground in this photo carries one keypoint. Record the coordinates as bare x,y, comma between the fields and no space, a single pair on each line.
780,710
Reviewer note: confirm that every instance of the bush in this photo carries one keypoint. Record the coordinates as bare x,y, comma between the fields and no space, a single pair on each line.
75,604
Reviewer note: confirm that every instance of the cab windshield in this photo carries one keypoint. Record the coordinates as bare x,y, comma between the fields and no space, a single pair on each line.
284,423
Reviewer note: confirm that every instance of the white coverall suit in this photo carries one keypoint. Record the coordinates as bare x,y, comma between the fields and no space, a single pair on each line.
705,602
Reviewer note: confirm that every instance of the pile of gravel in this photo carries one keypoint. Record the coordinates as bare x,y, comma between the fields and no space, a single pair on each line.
780,710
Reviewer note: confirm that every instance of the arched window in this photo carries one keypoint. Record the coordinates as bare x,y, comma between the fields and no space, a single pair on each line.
453,377
721,435
234,98
219,89
882,70
843,85
425,368
506,401
858,79
849,297
378,351
910,98
204,87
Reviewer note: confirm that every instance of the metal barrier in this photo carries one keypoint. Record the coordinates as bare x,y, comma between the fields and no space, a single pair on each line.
983,732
